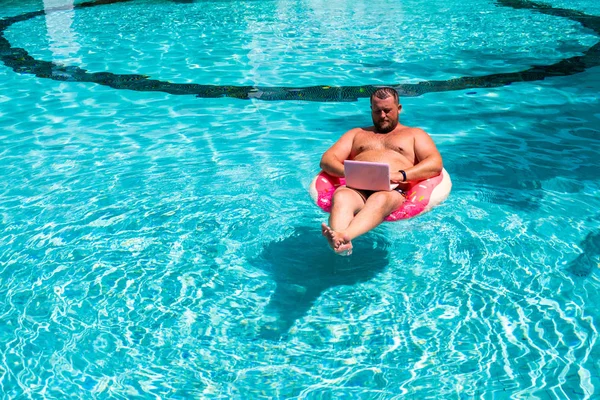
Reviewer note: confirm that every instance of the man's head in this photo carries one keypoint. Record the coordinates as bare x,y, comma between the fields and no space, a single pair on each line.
385,107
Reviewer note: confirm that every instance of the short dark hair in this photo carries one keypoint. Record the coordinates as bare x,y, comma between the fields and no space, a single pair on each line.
384,93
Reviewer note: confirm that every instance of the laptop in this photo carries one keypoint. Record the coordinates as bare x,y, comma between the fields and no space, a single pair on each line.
366,175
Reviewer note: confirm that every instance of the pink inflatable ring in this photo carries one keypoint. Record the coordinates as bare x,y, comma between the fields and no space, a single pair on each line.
422,195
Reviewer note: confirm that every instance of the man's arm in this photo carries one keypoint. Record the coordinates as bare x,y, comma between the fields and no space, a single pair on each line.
429,160
332,161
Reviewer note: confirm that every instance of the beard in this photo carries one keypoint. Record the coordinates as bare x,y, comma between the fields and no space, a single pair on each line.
384,127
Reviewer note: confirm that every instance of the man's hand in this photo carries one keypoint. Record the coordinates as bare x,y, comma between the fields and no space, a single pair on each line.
397,177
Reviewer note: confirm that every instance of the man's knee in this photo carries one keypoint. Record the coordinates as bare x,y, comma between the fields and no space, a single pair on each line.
383,200
347,196
381,197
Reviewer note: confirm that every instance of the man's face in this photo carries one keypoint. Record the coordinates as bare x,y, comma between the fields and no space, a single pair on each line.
385,114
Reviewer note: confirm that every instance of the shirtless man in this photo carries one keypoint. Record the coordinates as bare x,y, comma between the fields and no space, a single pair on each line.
410,152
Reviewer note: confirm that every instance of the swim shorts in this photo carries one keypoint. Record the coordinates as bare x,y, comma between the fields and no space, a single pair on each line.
365,194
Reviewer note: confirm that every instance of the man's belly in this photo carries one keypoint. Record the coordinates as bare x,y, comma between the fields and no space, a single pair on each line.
396,160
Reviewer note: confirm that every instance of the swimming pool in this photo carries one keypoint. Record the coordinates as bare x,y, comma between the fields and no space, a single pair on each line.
157,235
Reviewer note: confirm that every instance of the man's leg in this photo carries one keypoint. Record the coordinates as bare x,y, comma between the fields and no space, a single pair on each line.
378,206
345,204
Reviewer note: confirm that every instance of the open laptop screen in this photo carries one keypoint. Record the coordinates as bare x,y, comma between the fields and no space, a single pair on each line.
367,175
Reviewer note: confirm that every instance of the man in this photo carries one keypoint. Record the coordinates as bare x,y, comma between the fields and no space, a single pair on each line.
410,152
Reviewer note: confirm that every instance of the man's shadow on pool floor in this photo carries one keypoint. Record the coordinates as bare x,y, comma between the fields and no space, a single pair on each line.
303,267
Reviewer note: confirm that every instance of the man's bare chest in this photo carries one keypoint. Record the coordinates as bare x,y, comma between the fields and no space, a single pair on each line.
382,142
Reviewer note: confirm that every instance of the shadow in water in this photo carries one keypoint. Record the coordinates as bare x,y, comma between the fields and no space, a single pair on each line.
303,266
585,263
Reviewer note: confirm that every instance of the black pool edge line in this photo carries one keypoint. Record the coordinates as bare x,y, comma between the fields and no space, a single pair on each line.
21,62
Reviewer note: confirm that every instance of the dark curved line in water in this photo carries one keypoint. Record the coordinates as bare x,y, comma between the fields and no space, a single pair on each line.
21,62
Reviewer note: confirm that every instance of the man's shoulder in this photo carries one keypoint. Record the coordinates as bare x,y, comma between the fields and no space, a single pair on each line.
411,131
364,129
359,130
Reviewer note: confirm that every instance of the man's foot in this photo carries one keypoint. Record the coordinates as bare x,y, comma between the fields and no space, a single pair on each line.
339,242
328,233
342,244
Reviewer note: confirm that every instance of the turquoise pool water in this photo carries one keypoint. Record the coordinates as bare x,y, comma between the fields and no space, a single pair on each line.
157,239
